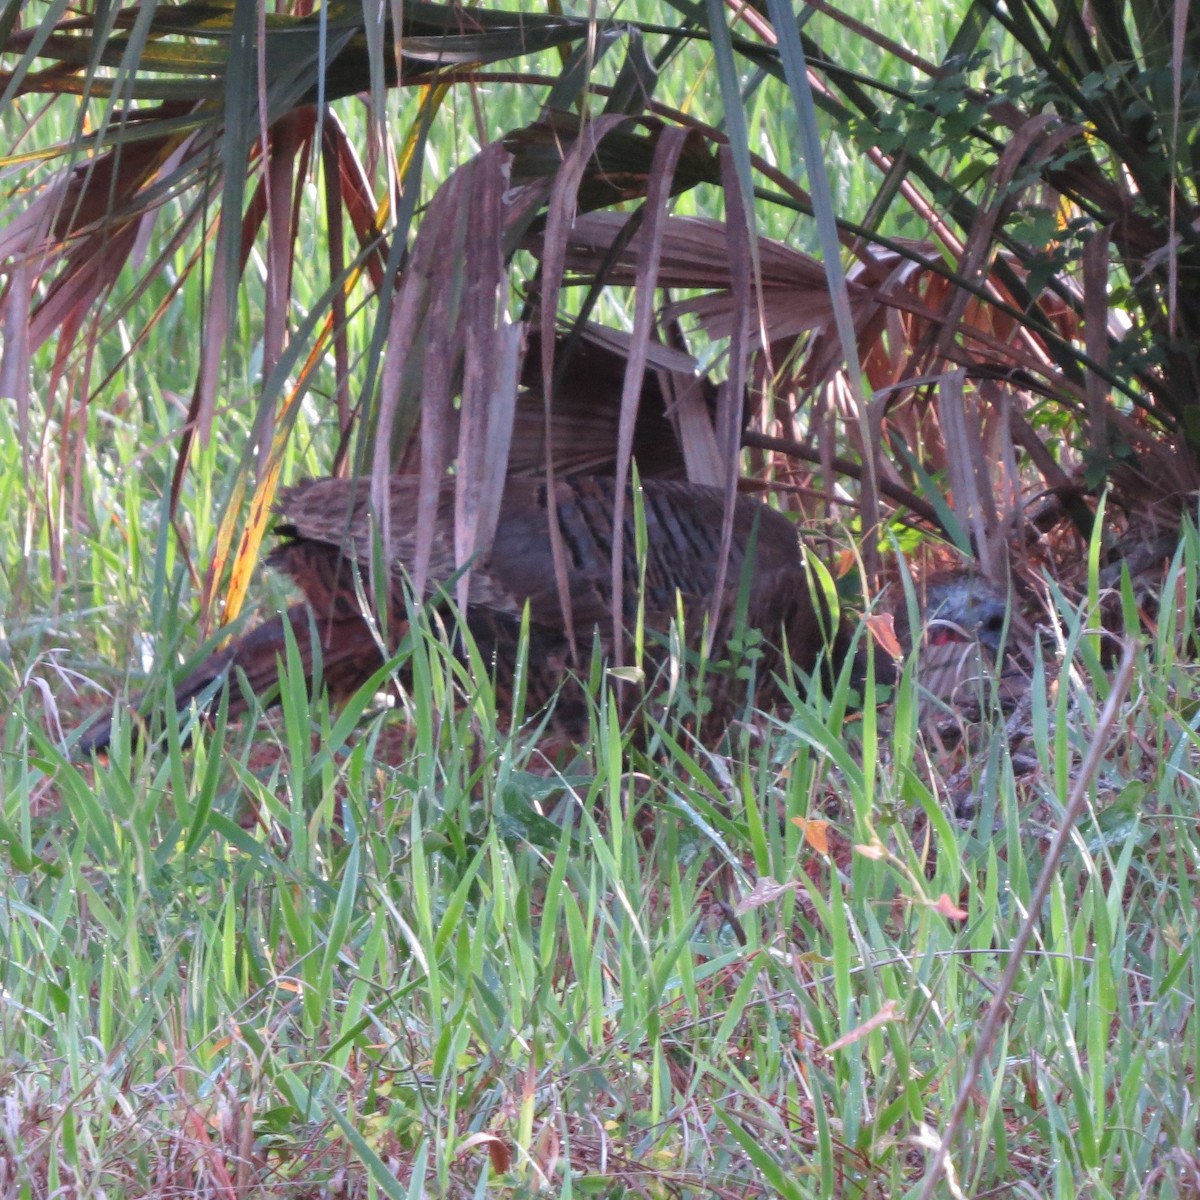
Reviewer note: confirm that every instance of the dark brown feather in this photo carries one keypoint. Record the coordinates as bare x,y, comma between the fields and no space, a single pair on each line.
329,539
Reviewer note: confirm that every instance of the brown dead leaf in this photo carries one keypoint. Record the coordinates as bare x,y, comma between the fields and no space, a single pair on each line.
497,1148
765,891
874,851
882,1017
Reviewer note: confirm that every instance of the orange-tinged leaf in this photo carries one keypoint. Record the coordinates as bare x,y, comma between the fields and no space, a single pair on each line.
944,905
246,557
882,628
816,833
844,562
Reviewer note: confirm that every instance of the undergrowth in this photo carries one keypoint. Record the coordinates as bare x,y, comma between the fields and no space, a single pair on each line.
405,953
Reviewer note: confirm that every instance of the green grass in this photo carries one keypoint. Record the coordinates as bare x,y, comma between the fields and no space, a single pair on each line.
416,959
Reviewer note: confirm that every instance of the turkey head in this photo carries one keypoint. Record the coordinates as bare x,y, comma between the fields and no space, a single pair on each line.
963,626
329,534
961,607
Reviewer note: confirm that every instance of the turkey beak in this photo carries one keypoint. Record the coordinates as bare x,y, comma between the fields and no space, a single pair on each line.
990,627
985,623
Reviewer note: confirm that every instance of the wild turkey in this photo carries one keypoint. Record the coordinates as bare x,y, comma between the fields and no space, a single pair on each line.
964,624
328,537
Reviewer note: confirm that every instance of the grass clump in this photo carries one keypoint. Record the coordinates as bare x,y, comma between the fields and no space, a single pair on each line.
368,962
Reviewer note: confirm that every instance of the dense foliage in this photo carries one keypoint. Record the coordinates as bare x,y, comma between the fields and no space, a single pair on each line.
925,274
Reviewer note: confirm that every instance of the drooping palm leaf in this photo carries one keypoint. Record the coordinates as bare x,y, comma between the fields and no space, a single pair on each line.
244,112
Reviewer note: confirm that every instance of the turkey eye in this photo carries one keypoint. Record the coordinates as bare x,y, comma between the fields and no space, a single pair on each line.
994,623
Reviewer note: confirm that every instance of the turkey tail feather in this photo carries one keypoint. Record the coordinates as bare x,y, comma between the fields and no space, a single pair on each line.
348,651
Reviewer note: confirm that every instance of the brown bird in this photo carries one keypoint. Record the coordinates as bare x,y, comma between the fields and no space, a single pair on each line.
328,538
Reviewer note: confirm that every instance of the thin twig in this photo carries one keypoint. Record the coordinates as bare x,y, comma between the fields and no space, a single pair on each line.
843,466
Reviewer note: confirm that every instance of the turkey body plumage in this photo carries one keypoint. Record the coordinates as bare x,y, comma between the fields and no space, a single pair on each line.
328,538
